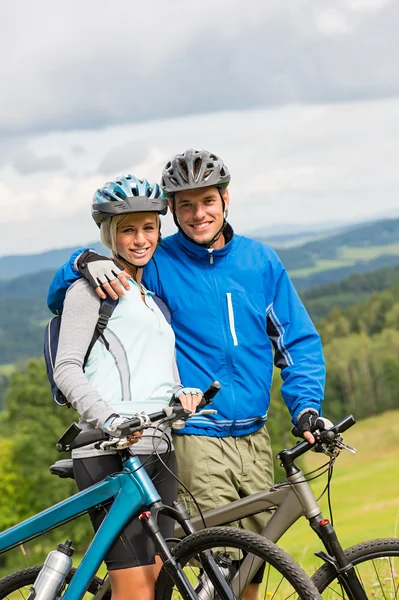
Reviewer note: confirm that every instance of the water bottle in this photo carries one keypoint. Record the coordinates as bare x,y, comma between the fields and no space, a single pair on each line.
205,589
52,575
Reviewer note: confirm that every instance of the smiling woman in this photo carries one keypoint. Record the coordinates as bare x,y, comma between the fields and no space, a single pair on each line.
129,369
132,238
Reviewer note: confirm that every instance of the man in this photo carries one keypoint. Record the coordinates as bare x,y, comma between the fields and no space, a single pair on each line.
232,304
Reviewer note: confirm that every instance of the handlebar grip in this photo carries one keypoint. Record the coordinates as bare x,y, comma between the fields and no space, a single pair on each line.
209,394
344,424
87,437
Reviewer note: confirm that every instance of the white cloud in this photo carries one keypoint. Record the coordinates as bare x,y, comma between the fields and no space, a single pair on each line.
333,22
92,64
293,164
369,6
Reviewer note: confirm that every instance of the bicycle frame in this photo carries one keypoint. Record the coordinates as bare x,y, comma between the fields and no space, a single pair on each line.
293,499
293,502
131,491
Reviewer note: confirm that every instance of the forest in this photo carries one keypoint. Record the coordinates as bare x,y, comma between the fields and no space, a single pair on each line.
357,317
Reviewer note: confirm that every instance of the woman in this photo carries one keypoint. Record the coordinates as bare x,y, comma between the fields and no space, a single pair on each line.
130,369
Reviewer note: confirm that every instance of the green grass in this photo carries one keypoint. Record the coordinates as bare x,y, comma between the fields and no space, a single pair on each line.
353,254
365,496
321,265
347,256
7,369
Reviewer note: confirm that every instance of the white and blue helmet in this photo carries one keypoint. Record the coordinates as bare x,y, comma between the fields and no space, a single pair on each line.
127,194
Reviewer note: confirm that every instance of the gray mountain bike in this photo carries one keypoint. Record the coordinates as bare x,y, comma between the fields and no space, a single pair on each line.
367,570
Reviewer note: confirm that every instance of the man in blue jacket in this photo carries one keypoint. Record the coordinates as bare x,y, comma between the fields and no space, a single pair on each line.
234,312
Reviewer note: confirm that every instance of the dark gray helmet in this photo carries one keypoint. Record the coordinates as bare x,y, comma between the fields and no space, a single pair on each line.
194,169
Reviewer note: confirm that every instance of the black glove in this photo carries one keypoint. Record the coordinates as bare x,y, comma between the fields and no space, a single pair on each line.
98,269
310,421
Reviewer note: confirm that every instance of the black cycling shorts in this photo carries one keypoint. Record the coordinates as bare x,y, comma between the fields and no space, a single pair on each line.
133,547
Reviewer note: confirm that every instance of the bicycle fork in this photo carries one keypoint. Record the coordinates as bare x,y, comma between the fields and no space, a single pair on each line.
336,557
174,569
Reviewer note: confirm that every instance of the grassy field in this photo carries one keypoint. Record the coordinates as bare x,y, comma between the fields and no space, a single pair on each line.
7,369
365,490
347,256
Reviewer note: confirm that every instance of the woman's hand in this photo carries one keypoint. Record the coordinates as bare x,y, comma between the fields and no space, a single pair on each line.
114,425
190,398
133,438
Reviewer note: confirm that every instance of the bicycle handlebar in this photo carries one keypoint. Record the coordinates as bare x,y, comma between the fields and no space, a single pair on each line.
75,438
324,437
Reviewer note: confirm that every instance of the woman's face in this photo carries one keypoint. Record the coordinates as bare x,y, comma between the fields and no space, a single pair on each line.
137,237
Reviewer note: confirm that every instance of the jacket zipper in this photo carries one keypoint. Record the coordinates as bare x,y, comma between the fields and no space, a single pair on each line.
229,358
231,319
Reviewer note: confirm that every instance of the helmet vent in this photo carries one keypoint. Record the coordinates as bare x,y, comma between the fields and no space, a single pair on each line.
119,194
149,191
213,157
197,168
183,169
222,172
210,165
207,174
174,180
168,165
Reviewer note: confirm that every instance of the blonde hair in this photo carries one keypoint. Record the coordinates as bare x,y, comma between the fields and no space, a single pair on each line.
108,231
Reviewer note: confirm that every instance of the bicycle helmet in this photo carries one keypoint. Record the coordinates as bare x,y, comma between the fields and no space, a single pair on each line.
194,169
127,194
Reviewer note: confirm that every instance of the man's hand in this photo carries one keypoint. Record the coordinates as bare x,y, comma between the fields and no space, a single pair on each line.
308,423
104,274
190,398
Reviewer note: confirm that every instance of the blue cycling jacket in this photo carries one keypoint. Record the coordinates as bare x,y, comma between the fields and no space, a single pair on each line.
234,311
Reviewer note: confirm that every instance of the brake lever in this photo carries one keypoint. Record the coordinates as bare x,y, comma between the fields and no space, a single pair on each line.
343,446
115,443
180,423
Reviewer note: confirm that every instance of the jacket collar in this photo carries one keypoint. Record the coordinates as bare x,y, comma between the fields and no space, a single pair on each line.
193,249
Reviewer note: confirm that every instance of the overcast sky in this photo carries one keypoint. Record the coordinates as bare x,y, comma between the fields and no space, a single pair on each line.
300,98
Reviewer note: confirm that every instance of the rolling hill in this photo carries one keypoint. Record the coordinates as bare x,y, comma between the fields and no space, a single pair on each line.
312,266
361,248
311,257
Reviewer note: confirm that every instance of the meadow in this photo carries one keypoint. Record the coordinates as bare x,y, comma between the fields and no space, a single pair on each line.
364,490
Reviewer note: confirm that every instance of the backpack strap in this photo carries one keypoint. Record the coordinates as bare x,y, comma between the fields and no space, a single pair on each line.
107,307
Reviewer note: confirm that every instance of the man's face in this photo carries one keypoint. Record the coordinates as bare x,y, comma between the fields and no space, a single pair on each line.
200,213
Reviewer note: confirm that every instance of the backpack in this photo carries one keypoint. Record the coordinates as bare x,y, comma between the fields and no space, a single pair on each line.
51,337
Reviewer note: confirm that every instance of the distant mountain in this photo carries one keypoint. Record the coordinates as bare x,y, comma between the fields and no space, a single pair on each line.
356,249
312,256
13,266
321,300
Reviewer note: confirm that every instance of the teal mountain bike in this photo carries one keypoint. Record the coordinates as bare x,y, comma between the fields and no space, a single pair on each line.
198,567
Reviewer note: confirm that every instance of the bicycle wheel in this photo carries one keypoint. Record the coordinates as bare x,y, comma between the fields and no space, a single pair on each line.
283,578
377,567
17,585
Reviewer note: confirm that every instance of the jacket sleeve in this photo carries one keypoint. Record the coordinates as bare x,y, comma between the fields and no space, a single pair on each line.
297,346
79,319
152,280
62,280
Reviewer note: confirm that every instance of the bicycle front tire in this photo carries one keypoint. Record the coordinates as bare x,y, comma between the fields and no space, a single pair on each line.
16,586
377,567
282,578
